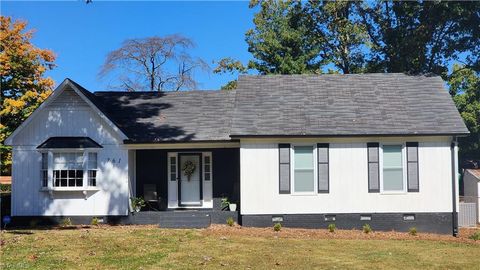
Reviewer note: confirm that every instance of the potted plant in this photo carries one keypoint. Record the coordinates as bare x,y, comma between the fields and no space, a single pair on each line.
137,203
232,207
224,203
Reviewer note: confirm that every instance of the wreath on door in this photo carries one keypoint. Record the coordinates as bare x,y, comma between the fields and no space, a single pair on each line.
188,168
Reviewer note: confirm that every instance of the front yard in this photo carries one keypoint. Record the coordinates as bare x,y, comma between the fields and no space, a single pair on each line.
148,247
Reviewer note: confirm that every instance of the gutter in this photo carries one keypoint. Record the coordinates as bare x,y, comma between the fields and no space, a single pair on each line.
454,191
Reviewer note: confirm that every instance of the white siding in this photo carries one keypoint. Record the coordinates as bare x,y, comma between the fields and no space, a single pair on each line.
69,115
348,180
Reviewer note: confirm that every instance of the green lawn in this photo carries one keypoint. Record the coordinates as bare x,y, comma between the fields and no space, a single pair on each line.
139,247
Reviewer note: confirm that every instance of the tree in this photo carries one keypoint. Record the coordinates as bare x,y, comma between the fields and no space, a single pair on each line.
420,36
465,88
339,35
280,42
22,80
230,65
154,63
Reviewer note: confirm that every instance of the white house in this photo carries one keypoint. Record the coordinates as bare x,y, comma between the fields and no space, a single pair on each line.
303,150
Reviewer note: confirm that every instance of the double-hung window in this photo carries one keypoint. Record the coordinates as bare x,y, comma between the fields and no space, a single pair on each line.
68,169
393,173
304,169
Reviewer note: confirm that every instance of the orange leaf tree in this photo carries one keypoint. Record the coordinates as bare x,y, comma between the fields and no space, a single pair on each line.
22,80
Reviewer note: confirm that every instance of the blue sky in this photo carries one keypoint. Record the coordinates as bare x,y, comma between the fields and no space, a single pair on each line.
82,35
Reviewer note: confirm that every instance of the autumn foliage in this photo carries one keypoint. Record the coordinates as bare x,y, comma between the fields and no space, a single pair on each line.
22,79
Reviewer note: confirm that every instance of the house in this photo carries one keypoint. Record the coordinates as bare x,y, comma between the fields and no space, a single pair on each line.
302,150
471,188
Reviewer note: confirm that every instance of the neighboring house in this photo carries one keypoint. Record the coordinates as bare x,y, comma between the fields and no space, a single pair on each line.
303,150
471,188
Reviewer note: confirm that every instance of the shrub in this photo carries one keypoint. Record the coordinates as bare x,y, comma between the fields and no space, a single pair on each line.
331,227
412,231
230,221
137,203
224,203
367,228
277,227
475,236
5,188
66,222
94,221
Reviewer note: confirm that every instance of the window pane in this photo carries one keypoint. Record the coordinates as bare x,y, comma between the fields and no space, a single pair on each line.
92,160
392,156
392,168
304,181
303,157
392,179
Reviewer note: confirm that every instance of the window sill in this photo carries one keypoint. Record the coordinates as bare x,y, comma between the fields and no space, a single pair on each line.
393,193
69,189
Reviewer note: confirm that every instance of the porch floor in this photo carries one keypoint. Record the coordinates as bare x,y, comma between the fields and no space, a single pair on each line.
183,218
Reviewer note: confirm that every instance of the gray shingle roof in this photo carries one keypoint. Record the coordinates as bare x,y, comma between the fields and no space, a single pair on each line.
349,105
169,116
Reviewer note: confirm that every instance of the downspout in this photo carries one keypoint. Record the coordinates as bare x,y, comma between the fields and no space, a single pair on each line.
453,148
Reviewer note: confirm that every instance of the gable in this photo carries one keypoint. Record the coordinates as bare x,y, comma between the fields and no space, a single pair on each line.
65,113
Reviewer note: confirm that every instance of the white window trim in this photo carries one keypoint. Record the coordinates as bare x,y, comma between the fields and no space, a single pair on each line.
404,169
292,170
84,151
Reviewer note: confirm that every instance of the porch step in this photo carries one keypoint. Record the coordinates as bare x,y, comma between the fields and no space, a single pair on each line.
185,219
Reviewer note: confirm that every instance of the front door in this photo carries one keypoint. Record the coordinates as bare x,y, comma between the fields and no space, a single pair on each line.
190,182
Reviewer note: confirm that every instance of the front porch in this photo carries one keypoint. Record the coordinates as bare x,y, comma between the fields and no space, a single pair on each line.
183,218
159,177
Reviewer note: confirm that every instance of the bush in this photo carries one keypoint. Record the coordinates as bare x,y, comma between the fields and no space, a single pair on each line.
5,188
475,236
412,231
277,227
331,227
224,203
66,222
230,221
94,221
367,228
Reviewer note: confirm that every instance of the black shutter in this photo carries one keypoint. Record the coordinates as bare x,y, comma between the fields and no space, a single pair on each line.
323,167
373,167
412,167
284,168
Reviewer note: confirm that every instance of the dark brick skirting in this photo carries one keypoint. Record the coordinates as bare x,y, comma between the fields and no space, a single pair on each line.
165,219
424,222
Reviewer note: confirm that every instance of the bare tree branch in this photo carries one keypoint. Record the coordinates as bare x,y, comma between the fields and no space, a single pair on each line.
149,64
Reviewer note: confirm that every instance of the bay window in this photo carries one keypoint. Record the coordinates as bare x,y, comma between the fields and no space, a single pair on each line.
69,169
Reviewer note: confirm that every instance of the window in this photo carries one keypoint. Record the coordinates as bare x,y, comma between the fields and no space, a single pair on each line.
44,170
92,169
173,168
68,169
392,168
303,173
207,166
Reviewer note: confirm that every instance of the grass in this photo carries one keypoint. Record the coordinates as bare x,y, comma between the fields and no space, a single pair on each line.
138,247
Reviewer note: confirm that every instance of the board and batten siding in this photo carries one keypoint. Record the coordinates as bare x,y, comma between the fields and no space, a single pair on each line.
348,179
69,115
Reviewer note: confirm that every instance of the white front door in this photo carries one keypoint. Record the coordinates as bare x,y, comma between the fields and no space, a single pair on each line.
190,186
